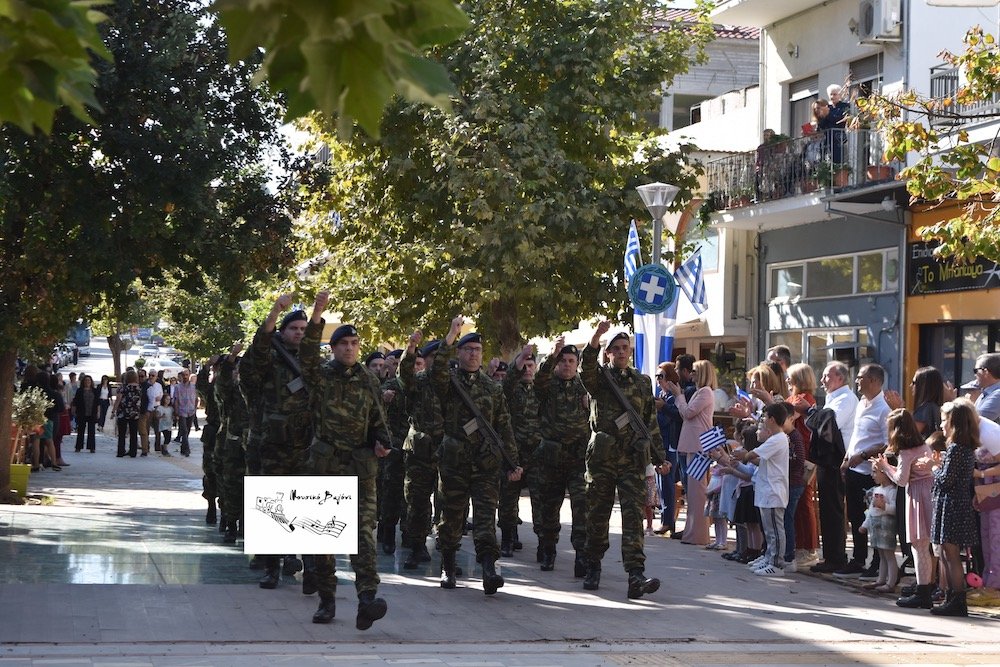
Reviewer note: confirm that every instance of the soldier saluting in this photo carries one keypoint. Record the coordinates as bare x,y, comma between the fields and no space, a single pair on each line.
478,443
350,437
624,424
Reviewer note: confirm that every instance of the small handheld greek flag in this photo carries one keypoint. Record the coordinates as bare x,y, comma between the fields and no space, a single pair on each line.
697,467
711,439
740,393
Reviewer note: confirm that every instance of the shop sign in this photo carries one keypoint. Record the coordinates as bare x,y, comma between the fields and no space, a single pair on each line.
927,274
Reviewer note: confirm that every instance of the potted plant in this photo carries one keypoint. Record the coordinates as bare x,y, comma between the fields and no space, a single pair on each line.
28,416
833,174
879,172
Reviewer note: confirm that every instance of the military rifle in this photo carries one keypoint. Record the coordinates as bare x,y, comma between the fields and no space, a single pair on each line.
492,437
638,426
297,382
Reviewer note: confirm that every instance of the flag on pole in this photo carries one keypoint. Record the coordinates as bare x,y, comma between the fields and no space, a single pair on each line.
690,279
698,465
654,333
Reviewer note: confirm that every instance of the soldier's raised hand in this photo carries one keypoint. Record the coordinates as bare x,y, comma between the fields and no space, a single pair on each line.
456,328
559,345
603,327
415,339
284,302
322,299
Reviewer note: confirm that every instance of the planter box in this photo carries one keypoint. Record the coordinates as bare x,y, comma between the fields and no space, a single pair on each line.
19,478
879,172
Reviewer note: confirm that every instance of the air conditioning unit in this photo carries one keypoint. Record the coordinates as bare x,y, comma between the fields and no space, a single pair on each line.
879,21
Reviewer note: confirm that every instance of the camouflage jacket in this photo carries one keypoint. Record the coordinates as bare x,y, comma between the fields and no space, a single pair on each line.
422,404
395,412
345,400
206,388
234,406
485,393
605,408
523,403
565,411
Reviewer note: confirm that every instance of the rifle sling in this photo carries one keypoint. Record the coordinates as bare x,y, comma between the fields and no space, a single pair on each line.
626,404
491,436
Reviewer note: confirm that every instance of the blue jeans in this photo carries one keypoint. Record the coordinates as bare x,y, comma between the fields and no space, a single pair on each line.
666,484
794,493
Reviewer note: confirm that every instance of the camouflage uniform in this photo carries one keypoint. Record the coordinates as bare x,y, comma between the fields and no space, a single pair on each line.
561,458
285,415
617,458
347,422
209,483
420,451
469,464
522,401
229,452
391,470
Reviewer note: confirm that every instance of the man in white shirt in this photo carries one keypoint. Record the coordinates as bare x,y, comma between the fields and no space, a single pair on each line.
988,379
154,394
869,438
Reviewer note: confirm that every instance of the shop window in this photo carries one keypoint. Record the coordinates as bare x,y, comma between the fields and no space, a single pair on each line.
821,347
844,275
870,273
790,339
786,282
975,342
830,277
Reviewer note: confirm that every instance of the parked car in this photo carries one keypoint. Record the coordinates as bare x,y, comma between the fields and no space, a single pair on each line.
149,351
170,368
171,353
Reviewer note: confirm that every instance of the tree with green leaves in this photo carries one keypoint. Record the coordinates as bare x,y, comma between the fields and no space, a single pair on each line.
950,166
515,208
167,184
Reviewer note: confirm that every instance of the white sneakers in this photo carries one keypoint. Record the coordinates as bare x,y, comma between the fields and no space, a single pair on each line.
791,567
769,571
756,563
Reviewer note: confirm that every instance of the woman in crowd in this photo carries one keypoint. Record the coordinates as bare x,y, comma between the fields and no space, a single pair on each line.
104,400
46,446
86,410
912,474
801,511
988,458
61,426
697,416
126,410
954,521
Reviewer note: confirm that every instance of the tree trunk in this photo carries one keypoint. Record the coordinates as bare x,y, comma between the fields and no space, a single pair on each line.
505,326
117,346
8,365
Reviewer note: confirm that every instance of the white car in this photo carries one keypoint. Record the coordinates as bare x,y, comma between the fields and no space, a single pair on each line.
149,351
170,368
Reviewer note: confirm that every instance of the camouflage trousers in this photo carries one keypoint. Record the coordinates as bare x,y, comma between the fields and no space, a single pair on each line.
391,507
360,462
218,465
209,483
468,471
612,465
561,468
233,470
510,495
253,453
420,483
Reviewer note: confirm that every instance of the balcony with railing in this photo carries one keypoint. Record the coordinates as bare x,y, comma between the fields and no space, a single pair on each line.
945,82
832,160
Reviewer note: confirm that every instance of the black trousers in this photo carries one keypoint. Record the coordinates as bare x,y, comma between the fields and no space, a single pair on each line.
856,485
830,485
88,425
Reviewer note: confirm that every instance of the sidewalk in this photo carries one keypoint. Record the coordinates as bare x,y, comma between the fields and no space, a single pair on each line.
160,587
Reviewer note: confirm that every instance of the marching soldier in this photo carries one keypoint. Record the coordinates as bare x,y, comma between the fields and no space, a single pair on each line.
478,443
230,452
617,456
272,383
350,435
391,472
522,401
206,388
561,456
420,448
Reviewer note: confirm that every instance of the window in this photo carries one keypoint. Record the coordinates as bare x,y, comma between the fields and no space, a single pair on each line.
845,275
708,241
801,95
790,339
850,345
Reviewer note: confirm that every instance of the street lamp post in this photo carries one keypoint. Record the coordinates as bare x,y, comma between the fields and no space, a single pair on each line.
657,197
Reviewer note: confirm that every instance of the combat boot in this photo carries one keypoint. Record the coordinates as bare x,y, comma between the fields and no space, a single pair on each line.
256,563
579,565
955,605
290,566
549,558
491,579
272,573
210,517
370,609
230,535
327,610
412,561
506,543
539,554
592,580
919,599
309,585
448,569
389,540
516,542
639,585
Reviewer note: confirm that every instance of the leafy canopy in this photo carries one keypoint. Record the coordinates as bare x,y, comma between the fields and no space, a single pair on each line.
515,208
951,167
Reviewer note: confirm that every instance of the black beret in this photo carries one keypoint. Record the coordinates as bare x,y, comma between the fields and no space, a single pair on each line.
428,350
621,335
471,337
397,353
570,349
293,316
373,356
342,331
502,366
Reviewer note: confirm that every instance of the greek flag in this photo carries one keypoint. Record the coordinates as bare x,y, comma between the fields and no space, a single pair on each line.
697,466
690,280
740,393
654,334
711,439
